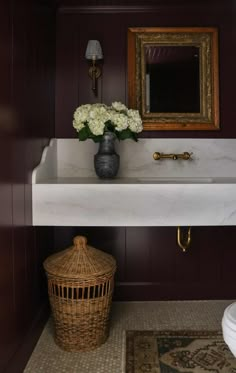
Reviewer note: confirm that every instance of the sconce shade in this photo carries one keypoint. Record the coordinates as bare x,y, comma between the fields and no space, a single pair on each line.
93,50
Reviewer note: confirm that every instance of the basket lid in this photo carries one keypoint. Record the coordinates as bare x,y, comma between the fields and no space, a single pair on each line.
79,261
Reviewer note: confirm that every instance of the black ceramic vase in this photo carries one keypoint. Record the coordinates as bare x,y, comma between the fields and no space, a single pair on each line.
107,161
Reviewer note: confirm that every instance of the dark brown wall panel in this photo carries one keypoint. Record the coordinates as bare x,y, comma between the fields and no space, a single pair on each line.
109,24
6,258
151,266
67,66
7,324
138,255
204,271
26,122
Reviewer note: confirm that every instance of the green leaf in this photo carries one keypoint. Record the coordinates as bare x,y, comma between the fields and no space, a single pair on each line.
126,134
97,138
83,134
109,126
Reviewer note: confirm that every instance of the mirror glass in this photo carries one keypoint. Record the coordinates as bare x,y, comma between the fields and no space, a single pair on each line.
173,77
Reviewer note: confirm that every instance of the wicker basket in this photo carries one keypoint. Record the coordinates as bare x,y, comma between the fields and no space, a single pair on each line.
80,287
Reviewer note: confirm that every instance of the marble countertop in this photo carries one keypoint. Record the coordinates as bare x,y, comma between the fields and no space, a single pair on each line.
183,194
86,202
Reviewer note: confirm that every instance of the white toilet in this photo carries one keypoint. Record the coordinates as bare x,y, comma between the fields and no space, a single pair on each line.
229,327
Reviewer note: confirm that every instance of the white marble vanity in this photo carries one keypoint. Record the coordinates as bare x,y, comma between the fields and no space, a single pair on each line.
200,191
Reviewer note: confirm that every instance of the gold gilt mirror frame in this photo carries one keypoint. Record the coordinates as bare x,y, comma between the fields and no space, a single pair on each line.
165,62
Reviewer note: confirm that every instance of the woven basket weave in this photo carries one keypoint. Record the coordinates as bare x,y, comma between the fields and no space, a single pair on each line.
80,287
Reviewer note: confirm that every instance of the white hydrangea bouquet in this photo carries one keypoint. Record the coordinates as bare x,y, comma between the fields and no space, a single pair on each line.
91,121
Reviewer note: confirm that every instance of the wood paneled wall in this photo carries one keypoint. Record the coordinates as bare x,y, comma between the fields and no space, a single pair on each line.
150,264
27,66
76,24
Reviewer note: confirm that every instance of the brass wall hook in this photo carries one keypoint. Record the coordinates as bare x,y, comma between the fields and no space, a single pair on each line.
183,245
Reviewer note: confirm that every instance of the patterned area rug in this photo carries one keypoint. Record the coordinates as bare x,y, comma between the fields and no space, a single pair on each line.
175,352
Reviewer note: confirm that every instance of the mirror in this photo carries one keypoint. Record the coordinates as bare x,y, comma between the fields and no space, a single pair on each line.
173,77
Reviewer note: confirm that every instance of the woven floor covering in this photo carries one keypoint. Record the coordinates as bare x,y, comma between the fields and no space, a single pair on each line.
182,351
110,357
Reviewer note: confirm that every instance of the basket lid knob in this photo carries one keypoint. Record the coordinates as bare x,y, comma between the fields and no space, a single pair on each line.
80,242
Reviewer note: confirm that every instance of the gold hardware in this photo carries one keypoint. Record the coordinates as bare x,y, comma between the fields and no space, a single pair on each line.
184,246
184,156
94,73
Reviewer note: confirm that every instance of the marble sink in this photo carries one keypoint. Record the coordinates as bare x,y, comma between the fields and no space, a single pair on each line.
182,196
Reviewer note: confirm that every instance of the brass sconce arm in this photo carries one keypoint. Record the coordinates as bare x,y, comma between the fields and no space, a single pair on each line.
94,73
185,156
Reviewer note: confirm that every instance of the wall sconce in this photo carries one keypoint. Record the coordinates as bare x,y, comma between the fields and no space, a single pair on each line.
94,53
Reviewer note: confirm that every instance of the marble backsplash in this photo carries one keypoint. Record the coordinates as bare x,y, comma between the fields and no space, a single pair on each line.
211,157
